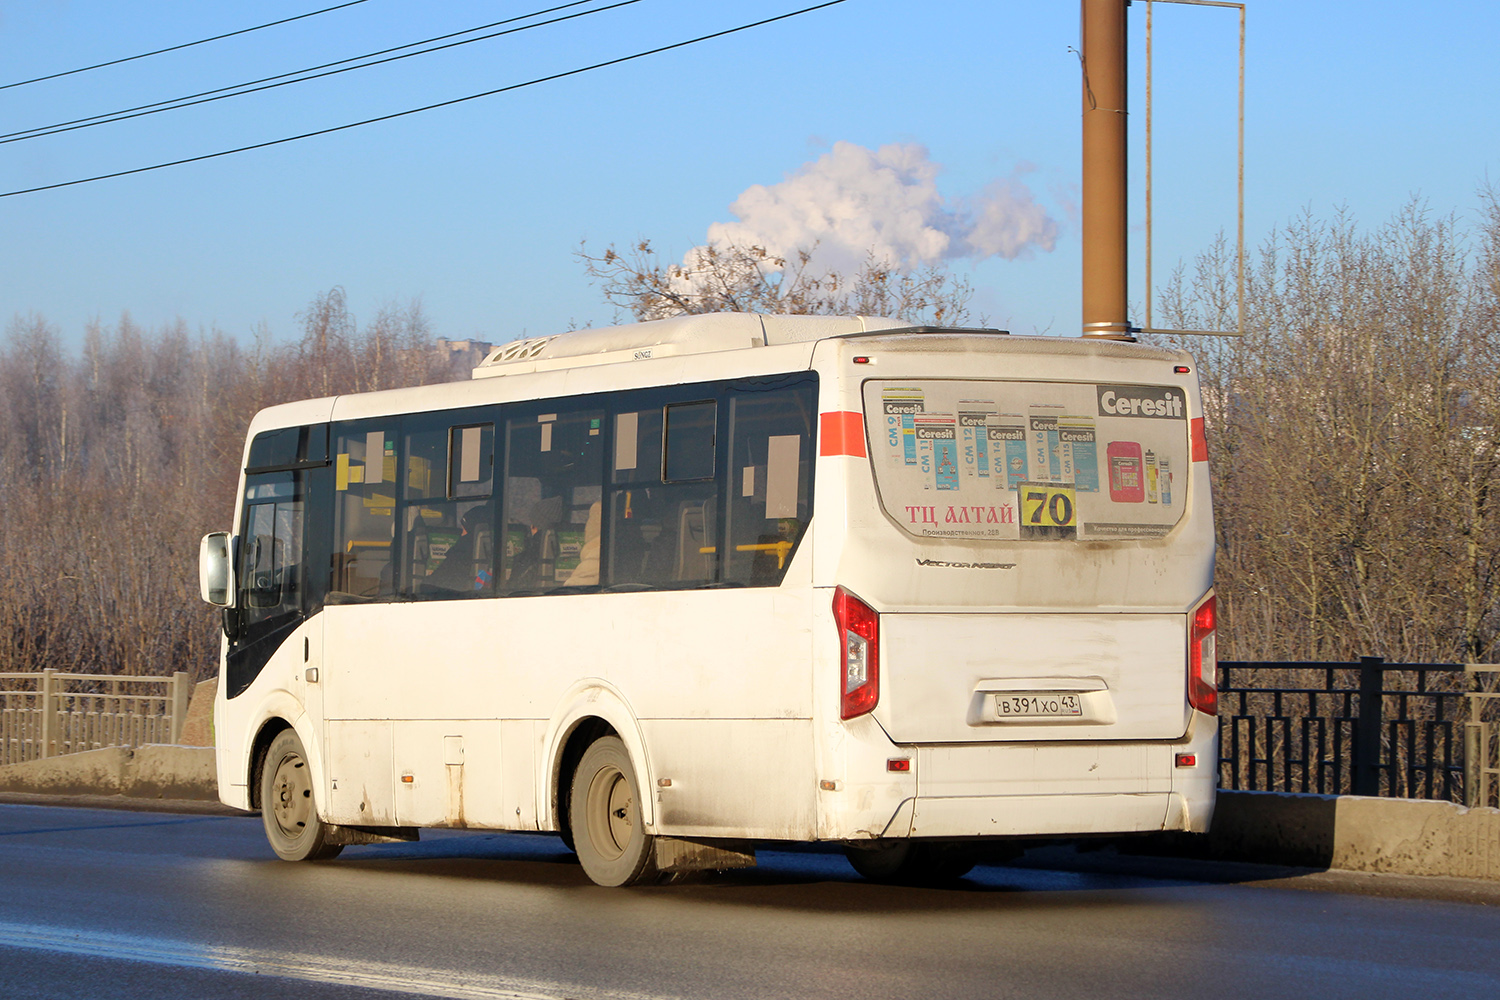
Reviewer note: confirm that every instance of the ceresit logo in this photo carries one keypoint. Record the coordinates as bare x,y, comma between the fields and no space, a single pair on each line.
1158,401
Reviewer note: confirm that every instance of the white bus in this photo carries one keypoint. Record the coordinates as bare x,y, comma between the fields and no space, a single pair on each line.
674,588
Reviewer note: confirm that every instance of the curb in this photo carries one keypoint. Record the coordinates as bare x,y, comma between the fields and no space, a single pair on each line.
1356,833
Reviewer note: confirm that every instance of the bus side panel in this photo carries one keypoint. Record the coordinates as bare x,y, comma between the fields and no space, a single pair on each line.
709,654
416,687
757,782
450,773
675,654
719,682
413,696
358,778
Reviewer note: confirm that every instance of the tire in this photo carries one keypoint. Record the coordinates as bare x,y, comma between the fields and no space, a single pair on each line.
907,862
288,808
604,817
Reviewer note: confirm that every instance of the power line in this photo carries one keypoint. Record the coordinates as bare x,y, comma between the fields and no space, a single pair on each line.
429,107
174,48
301,75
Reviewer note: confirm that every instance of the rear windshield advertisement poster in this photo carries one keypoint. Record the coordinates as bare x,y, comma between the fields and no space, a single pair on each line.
1029,460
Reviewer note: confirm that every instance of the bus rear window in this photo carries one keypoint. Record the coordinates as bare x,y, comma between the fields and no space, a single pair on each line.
1029,460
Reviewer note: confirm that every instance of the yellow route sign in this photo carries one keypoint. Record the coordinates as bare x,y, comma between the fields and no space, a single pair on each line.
1048,507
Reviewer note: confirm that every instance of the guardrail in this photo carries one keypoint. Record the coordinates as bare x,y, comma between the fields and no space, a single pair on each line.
1403,730
47,713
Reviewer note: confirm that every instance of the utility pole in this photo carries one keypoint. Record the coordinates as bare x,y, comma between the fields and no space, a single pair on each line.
1102,53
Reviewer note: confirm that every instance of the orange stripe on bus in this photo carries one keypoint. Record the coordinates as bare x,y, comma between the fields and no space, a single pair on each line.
1200,441
842,432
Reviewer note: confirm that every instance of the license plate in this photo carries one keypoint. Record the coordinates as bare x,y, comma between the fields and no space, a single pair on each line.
1037,704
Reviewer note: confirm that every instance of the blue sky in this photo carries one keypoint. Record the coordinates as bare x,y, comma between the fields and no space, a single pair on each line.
477,208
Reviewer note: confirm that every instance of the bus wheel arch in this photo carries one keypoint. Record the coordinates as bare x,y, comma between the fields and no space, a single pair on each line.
259,748
582,736
591,708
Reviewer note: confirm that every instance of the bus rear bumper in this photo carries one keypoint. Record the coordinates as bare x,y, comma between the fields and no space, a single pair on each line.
1017,790
1048,815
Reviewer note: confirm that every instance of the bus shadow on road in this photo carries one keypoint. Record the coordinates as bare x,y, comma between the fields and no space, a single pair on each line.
803,877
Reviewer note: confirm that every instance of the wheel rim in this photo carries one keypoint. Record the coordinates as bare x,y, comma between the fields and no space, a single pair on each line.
291,796
611,812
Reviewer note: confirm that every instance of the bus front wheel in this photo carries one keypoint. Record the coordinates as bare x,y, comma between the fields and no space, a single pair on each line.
287,806
604,815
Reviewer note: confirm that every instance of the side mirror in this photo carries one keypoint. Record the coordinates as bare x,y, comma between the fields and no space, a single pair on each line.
216,570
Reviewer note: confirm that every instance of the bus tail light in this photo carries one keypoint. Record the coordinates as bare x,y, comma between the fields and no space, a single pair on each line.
1203,660
859,631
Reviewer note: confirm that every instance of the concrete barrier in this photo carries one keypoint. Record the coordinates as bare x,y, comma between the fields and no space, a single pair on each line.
149,772
1357,833
198,725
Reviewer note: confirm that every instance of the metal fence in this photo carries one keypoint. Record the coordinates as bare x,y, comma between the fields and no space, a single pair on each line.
1403,730
48,714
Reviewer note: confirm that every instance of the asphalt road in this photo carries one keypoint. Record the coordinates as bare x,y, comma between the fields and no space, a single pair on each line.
101,904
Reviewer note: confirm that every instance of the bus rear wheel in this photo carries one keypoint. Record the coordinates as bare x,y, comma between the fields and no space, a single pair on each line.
604,815
287,805
907,862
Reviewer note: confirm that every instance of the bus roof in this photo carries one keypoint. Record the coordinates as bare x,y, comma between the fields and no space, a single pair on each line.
680,335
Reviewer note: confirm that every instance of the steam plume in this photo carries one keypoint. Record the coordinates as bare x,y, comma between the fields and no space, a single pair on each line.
853,202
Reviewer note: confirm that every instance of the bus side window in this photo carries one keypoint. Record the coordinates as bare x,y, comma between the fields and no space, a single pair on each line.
468,566
554,480
365,487
471,461
634,523
688,442
265,572
770,496
442,537
664,497
272,559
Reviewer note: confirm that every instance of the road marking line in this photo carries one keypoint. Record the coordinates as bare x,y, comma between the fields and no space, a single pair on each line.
397,978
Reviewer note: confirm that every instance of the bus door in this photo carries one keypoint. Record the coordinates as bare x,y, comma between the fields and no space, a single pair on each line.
274,619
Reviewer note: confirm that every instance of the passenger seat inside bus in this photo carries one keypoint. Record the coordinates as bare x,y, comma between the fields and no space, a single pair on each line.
695,557
532,563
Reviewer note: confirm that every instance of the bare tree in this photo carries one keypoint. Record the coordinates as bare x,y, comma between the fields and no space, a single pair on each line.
732,278
1353,437
114,462
327,329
